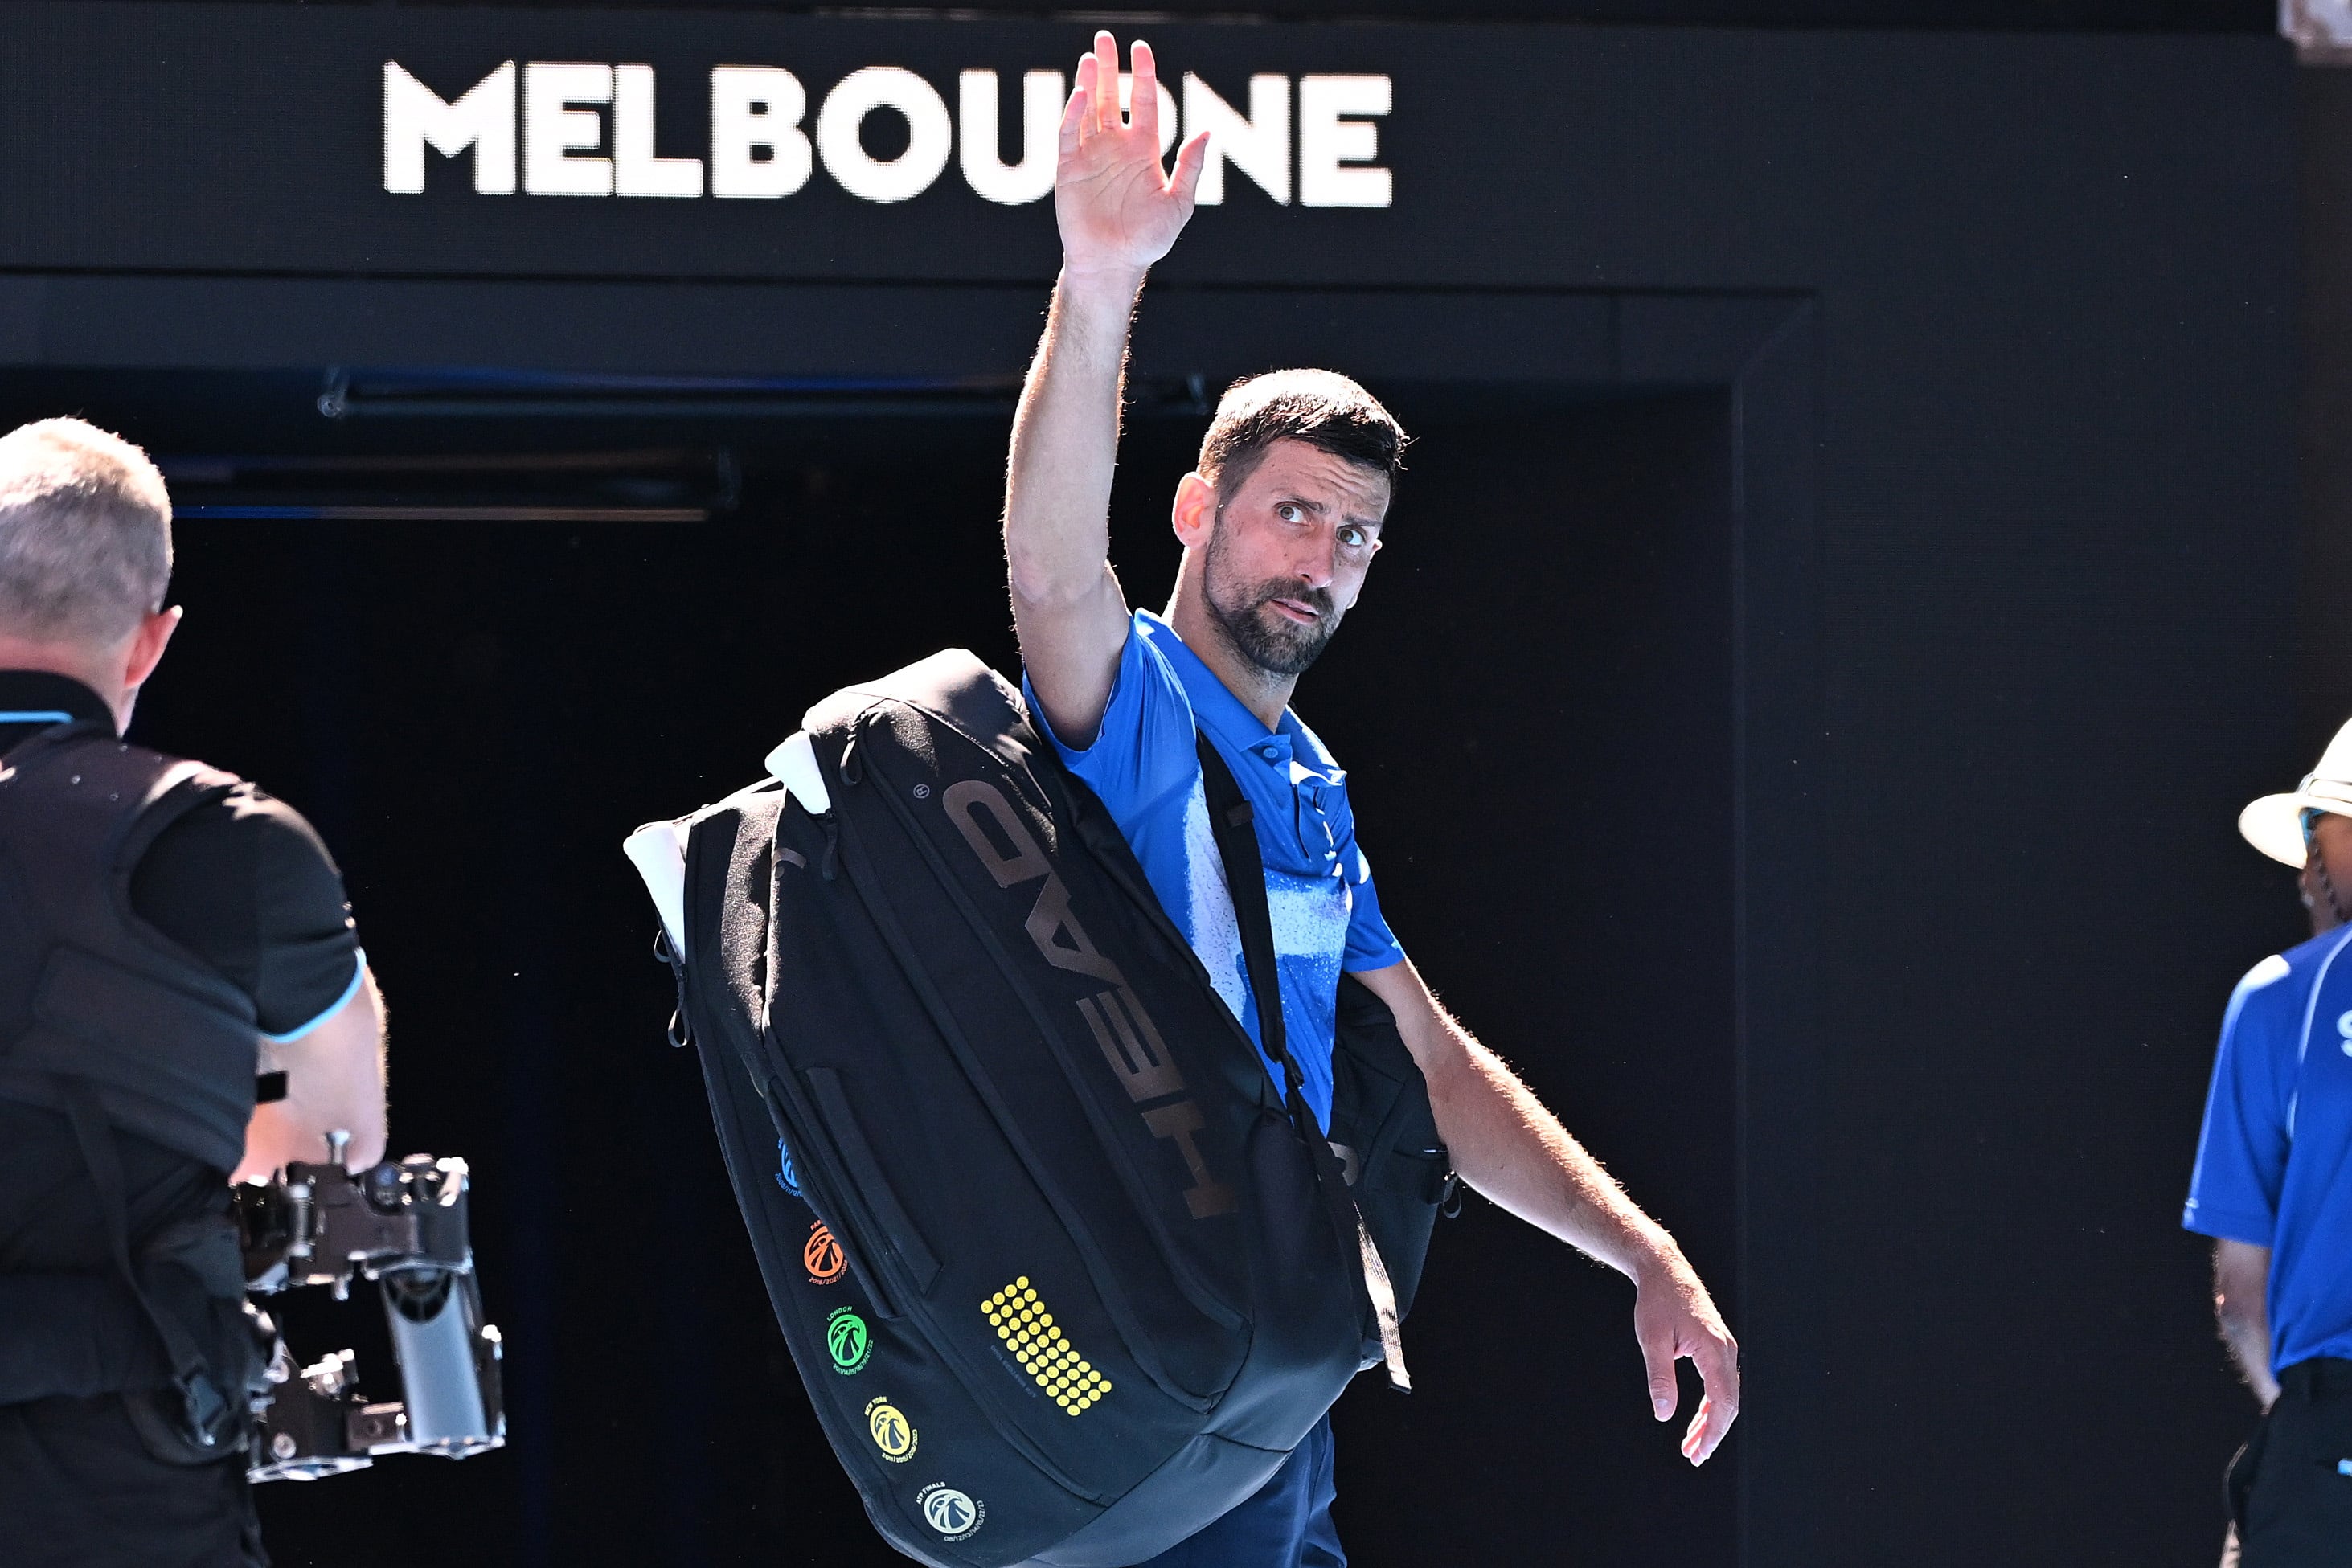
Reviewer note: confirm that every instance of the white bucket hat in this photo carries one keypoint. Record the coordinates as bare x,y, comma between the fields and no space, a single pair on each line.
2274,825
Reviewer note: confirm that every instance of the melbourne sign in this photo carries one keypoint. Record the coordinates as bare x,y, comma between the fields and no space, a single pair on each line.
882,133
478,142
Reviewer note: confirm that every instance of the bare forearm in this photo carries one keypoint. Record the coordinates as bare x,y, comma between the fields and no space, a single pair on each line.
2250,1347
1515,1152
1117,214
1066,441
2241,1309
1067,603
335,1081
1507,1146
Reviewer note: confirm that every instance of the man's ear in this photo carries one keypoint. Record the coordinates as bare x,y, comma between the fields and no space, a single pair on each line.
147,645
1194,512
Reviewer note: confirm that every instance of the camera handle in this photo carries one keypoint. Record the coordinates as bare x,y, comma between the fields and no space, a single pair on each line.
404,1226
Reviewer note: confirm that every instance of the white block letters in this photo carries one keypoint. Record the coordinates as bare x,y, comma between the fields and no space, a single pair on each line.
976,137
483,118
559,123
586,127
1335,144
1258,146
757,146
635,171
930,134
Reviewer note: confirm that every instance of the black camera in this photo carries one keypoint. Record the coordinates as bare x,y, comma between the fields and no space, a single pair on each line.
403,1226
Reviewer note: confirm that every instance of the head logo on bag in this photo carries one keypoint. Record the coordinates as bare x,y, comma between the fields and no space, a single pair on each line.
954,1515
1124,1031
893,1433
823,1255
847,1341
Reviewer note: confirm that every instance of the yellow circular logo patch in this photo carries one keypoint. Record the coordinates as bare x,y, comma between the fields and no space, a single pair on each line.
893,1433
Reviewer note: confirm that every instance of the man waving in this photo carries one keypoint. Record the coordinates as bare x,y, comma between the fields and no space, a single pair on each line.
1280,523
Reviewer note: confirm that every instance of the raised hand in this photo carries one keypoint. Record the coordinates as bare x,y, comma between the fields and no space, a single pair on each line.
1118,214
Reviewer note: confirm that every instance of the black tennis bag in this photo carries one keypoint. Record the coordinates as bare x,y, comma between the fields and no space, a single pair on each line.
1062,1277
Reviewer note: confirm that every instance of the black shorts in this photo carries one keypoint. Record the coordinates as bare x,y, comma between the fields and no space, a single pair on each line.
2290,1485
83,1486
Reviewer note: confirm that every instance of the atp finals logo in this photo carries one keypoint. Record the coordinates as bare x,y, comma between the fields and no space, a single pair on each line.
566,128
954,1515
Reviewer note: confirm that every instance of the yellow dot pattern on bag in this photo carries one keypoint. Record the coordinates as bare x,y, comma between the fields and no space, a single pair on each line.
1043,1351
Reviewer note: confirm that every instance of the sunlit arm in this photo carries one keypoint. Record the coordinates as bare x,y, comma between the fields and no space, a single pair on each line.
334,1079
1066,601
1513,1150
2241,1272
1117,214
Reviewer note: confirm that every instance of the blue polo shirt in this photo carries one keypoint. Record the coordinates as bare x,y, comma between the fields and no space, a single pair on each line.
1144,766
2274,1163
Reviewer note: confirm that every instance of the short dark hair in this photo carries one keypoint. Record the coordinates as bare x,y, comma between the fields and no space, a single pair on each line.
1321,408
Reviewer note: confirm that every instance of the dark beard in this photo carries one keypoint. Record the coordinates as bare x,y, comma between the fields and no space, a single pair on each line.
1276,647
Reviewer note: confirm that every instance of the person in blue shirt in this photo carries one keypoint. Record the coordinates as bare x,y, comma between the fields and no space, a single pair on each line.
1280,523
2273,1187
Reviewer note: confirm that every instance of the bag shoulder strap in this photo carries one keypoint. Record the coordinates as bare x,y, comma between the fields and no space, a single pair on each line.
1232,823
206,1410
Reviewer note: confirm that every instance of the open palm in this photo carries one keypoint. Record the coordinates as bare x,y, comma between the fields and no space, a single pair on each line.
1117,211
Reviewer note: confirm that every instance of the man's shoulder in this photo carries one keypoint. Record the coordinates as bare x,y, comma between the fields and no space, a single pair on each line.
2301,967
245,883
243,824
2275,995
1155,645
1144,737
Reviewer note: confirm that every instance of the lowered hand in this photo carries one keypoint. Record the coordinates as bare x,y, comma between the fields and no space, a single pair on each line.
1674,1317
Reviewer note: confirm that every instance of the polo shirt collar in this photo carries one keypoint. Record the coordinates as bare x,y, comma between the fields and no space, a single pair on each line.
40,698
1229,720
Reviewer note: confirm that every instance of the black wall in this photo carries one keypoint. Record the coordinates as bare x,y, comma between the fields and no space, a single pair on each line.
1580,924
2324,118
2001,332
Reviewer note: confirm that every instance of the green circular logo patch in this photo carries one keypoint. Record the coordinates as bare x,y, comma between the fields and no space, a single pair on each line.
847,1341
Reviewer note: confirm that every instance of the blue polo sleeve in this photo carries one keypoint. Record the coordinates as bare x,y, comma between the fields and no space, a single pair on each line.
1371,944
1144,750
2242,1152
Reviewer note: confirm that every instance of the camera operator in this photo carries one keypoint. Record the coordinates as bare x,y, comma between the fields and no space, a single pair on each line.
168,936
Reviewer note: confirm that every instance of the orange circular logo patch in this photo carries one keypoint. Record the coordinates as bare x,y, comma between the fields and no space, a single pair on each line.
823,1255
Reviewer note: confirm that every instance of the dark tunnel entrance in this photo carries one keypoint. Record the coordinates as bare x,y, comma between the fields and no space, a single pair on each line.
475,707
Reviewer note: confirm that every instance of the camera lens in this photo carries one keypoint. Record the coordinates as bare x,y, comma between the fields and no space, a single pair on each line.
385,1186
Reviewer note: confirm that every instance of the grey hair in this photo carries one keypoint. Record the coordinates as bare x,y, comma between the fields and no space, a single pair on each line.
85,533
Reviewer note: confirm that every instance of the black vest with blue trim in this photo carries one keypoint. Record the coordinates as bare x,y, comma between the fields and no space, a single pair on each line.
89,990
112,1024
